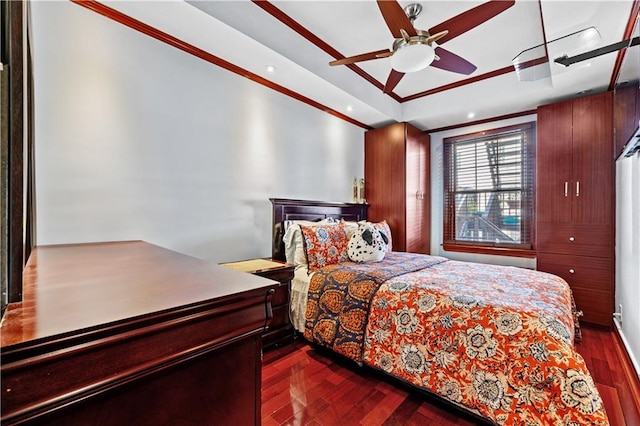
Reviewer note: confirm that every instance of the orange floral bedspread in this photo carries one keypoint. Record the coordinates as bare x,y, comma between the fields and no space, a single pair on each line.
496,340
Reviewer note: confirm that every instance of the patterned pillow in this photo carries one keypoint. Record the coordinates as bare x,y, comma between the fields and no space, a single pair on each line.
325,245
293,241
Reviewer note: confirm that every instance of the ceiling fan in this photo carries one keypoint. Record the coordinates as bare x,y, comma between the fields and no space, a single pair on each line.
414,49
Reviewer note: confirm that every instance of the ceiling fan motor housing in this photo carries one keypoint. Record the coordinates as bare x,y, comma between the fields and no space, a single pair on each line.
412,54
421,38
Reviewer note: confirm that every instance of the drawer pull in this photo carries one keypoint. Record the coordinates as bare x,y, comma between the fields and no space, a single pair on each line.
571,239
571,271
566,188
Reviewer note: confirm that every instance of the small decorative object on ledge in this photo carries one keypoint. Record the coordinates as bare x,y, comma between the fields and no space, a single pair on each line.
361,198
355,190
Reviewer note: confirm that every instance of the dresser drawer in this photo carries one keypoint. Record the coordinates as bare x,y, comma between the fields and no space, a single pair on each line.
280,329
588,240
281,295
280,317
591,282
591,273
596,306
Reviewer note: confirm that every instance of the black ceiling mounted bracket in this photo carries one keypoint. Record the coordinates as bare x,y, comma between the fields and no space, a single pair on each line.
566,60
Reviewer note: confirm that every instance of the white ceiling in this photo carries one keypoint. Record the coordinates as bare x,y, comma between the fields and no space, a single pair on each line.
246,35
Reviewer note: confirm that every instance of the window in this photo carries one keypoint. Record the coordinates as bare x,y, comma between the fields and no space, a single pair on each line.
489,190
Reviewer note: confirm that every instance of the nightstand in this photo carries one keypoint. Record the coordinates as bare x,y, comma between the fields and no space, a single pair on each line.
280,330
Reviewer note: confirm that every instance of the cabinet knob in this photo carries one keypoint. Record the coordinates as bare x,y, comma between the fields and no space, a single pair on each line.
571,239
571,271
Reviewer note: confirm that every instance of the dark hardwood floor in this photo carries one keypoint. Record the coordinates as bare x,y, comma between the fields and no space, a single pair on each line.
302,386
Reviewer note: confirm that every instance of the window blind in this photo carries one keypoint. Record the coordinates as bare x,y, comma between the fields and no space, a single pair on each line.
489,188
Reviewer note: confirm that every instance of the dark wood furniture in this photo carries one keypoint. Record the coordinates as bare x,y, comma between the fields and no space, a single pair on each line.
280,329
626,114
286,209
397,184
576,199
131,333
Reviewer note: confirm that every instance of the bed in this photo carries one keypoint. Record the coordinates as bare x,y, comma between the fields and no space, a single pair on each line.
495,341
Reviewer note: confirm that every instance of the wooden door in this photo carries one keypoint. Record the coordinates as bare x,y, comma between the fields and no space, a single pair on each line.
384,175
418,238
554,163
626,106
593,176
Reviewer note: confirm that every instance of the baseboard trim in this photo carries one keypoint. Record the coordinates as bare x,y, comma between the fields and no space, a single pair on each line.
629,363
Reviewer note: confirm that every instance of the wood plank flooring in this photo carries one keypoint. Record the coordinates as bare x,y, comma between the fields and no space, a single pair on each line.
302,386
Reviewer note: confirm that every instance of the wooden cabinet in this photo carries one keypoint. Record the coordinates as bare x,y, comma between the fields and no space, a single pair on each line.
626,114
280,329
397,178
554,161
575,200
131,333
588,277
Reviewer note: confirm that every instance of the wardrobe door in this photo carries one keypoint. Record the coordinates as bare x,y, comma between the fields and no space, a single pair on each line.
554,163
384,175
626,113
593,174
418,211
397,173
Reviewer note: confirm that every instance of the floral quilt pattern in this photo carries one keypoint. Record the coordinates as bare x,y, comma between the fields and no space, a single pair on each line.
339,297
496,340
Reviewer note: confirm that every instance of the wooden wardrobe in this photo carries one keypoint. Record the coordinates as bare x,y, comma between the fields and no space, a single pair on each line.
576,200
397,184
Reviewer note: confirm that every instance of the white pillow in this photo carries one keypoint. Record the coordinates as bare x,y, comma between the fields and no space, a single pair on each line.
367,244
352,227
294,242
383,227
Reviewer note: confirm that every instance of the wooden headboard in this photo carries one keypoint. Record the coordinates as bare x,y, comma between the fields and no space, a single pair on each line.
284,209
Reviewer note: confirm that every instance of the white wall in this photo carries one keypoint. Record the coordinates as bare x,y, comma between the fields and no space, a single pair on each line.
138,140
437,195
628,252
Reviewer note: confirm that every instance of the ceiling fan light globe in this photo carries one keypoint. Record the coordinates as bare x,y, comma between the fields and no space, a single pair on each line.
412,58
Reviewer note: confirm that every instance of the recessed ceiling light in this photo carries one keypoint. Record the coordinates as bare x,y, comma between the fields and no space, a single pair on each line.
349,108
471,115
271,68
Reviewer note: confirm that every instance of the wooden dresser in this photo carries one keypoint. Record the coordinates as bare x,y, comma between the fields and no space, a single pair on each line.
576,199
131,333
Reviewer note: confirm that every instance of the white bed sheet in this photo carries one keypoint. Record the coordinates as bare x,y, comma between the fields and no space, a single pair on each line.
298,303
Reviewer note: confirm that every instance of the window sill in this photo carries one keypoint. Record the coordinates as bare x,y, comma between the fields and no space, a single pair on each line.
496,251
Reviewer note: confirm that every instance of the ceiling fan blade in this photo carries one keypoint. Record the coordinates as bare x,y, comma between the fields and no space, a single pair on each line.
396,19
465,21
436,37
363,57
452,62
392,81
